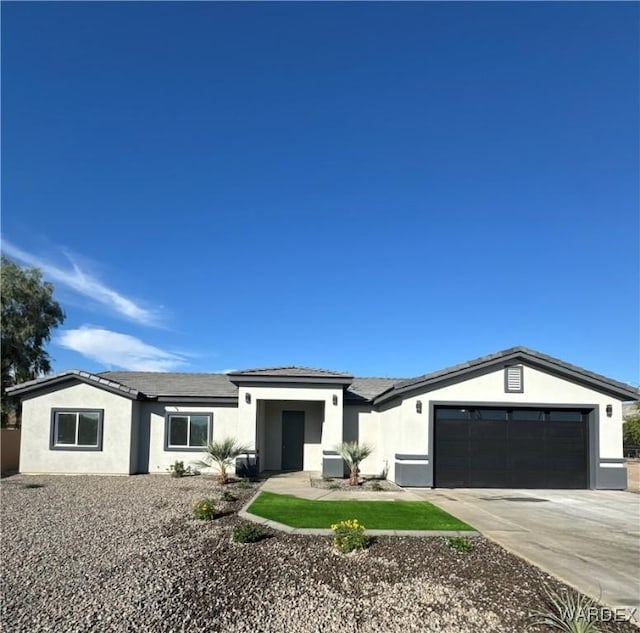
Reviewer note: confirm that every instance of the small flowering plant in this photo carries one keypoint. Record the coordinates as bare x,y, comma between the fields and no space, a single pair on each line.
349,536
205,509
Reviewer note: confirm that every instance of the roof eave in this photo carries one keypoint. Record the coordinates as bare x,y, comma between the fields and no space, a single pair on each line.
216,400
596,382
32,388
307,380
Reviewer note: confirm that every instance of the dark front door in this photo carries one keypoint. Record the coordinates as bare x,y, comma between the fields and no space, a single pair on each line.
292,440
482,447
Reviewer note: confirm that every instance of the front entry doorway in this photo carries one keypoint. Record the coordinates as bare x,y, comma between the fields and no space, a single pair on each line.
292,440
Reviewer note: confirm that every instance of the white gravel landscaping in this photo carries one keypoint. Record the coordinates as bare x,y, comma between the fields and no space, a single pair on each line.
123,554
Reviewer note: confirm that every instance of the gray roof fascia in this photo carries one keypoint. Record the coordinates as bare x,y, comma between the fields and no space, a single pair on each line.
257,381
213,400
32,387
551,365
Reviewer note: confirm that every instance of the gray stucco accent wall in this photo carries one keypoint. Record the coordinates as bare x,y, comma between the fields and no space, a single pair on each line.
332,464
413,471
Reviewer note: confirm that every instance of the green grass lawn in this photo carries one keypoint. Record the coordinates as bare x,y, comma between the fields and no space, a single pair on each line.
375,515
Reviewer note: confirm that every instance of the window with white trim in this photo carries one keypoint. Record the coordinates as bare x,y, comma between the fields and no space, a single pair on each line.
187,431
76,429
513,379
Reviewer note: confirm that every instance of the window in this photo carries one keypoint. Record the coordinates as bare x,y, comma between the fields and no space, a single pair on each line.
513,381
527,415
446,413
76,429
565,416
490,414
187,431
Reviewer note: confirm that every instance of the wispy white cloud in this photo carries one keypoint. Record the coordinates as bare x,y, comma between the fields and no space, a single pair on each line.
114,349
87,285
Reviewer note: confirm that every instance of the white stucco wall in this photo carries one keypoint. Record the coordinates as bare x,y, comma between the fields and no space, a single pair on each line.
115,456
362,424
539,388
321,394
134,432
225,424
400,429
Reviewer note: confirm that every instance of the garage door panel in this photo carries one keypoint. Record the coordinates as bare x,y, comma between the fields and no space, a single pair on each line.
481,429
526,430
455,430
528,458
522,448
454,478
560,430
489,478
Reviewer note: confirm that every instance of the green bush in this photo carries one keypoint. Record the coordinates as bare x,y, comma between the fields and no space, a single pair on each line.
631,428
248,533
349,536
376,485
227,495
460,544
205,509
244,484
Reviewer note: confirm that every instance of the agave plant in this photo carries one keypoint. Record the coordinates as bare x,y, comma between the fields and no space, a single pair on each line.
353,453
221,453
567,611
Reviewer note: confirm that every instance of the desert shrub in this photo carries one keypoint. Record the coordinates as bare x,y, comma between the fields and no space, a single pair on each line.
460,544
375,485
227,495
631,428
349,536
568,611
178,469
244,484
205,509
334,485
248,533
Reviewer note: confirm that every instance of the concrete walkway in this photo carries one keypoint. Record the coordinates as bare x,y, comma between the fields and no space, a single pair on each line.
298,484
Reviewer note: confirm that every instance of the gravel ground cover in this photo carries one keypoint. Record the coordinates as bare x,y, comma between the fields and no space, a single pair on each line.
123,554
364,483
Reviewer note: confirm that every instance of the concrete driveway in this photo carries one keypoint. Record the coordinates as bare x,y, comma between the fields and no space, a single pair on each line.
590,539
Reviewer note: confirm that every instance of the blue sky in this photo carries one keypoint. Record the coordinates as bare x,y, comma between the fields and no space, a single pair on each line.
384,188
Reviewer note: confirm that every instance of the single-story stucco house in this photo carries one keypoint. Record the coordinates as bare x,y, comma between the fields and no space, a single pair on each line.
517,418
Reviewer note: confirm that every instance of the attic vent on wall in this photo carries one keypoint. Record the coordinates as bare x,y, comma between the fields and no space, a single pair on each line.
513,382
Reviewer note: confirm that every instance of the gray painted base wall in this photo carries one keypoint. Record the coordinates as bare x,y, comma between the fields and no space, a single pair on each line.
333,466
611,478
413,475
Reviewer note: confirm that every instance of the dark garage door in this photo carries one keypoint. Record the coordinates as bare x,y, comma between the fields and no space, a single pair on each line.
510,448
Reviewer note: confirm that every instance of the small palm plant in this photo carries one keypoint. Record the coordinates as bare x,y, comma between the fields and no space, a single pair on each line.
221,453
354,453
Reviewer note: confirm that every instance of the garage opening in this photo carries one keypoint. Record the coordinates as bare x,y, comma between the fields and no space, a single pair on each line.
483,447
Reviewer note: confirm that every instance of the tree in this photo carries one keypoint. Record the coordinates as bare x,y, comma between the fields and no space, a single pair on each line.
222,453
631,427
29,313
354,453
